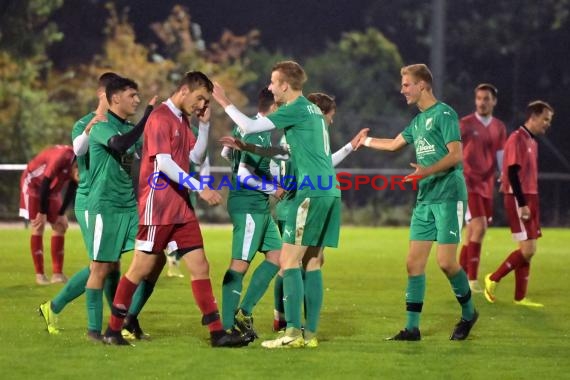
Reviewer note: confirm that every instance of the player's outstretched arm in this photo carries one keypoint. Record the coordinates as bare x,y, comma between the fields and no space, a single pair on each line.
338,156
452,158
246,125
390,145
274,152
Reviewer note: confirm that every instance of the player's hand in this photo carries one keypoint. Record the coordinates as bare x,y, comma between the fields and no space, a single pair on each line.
61,222
153,100
524,213
419,173
360,136
39,222
204,114
212,197
232,142
98,118
219,95
280,193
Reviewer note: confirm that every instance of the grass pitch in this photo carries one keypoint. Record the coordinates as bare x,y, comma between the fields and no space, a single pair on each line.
365,282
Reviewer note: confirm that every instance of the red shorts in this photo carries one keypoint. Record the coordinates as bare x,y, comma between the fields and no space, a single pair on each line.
30,207
478,206
169,237
523,230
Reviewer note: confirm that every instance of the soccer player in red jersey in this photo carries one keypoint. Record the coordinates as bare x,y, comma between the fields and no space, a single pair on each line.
166,217
483,138
520,187
40,202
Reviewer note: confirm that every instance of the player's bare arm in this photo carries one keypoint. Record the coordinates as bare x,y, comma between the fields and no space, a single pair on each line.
390,145
277,153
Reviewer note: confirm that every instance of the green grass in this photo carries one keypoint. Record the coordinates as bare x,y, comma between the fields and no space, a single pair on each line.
365,281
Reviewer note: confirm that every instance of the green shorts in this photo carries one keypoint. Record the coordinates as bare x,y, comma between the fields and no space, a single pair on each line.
313,222
112,234
82,217
439,222
253,233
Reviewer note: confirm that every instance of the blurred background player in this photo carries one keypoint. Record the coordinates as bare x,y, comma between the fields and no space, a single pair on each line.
483,137
41,185
519,184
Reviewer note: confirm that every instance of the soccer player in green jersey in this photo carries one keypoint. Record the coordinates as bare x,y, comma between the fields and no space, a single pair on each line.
440,206
112,218
314,219
253,227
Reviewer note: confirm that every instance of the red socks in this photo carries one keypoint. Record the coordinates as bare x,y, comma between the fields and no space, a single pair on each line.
515,260
57,243
37,247
202,290
521,280
473,255
122,301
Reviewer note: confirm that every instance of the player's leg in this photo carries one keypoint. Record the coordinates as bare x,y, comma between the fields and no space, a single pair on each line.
422,235
449,218
313,285
516,258
463,257
57,242
270,243
279,322
131,326
29,208
480,209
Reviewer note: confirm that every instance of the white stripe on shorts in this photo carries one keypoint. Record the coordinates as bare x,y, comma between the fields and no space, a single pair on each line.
247,236
97,233
302,212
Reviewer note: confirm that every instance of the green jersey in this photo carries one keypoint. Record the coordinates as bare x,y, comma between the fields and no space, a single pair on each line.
82,163
430,132
110,183
308,139
242,199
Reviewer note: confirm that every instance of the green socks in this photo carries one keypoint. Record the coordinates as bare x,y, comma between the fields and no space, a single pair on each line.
94,309
258,285
72,289
313,299
293,297
142,294
231,294
110,286
278,294
460,286
415,293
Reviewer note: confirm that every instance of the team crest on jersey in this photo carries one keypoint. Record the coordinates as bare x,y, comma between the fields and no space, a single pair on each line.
424,148
428,123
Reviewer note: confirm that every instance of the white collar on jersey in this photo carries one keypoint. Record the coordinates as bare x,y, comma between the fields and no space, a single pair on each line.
485,120
174,109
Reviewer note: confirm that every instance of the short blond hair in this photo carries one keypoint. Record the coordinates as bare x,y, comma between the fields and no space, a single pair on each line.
420,71
292,73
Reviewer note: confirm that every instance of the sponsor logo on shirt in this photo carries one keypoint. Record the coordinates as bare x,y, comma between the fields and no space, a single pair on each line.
424,148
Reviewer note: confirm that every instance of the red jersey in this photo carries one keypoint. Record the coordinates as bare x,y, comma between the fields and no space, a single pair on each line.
521,149
54,162
163,202
480,146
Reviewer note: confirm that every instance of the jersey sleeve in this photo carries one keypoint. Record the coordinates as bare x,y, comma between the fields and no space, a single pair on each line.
79,127
408,135
514,151
286,116
157,135
502,137
101,133
449,124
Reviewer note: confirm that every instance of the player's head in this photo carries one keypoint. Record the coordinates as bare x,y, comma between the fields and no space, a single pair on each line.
538,116
326,103
485,99
193,92
265,101
123,96
416,79
102,82
287,77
